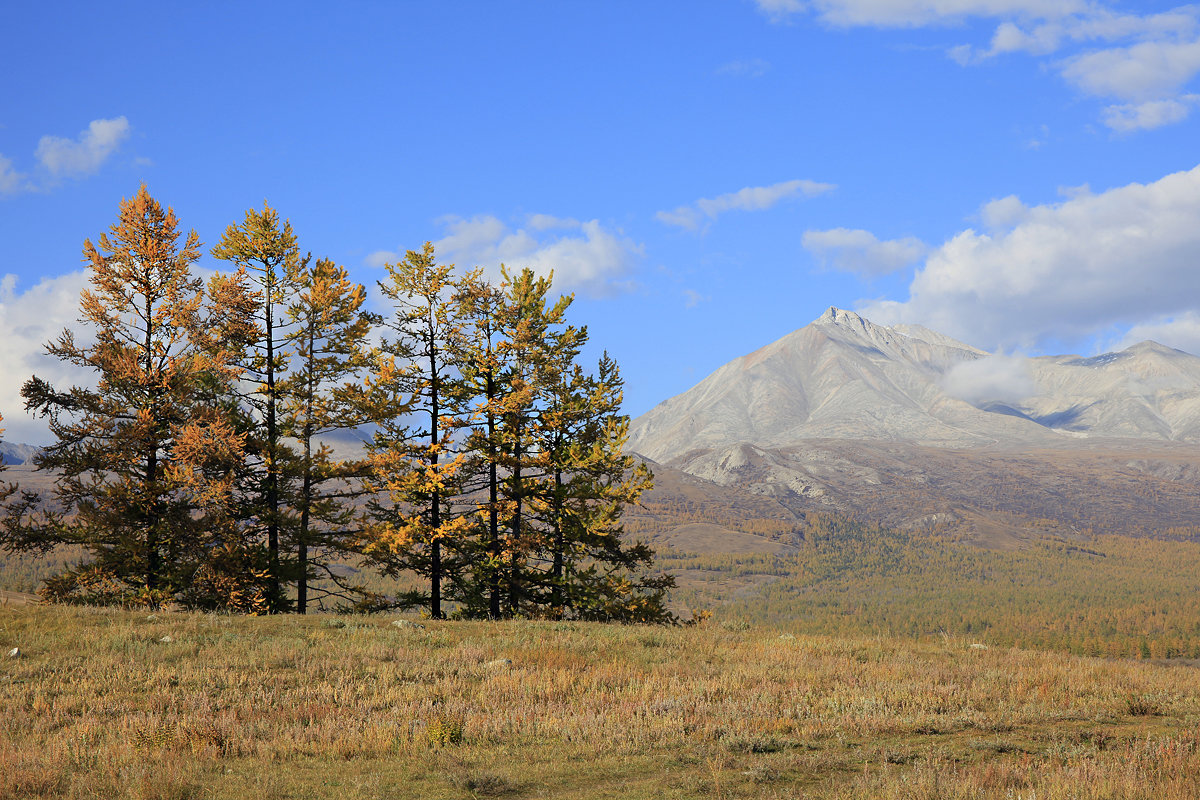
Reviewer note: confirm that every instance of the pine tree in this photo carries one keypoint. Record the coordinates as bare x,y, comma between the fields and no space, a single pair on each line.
265,250
136,455
413,455
324,394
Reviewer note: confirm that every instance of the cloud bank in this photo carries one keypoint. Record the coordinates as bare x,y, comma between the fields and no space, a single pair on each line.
28,320
1063,271
1140,64
60,157
10,179
582,255
860,252
85,154
1181,331
996,378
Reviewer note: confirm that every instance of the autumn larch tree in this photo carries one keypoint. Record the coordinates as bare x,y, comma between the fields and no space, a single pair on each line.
324,394
550,438
536,342
135,455
594,573
479,353
264,248
413,453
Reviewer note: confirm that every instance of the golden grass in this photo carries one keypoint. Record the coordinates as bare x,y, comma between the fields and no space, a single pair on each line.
174,706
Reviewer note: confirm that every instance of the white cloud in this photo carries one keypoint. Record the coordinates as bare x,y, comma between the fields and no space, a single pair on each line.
1145,61
860,252
1181,331
1003,213
1065,270
996,378
780,10
1141,72
1096,24
381,257
682,217
582,255
28,320
1073,192
914,13
10,179
1149,115
751,198
86,154
692,298
546,222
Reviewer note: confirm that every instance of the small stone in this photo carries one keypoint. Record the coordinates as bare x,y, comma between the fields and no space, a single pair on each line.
787,637
499,663
407,625
978,646
152,618
15,653
166,640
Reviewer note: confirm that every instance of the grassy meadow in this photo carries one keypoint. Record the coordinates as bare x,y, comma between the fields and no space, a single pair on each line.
1098,595
171,705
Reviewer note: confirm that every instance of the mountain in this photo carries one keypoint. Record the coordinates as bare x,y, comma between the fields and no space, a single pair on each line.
12,453
844,377
910,428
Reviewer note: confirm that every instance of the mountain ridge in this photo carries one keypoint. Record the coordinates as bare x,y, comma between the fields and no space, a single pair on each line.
15,453
845,377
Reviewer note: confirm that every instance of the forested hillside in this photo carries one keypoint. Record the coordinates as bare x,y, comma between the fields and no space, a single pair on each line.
752,559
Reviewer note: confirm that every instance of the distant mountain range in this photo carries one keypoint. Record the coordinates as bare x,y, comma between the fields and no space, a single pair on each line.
907,426
12,453
844,377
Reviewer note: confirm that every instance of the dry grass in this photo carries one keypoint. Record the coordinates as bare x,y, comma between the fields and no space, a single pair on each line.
104,705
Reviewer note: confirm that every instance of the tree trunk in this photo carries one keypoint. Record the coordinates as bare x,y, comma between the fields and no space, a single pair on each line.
435,516
153,566
272,458
306,488
556,572
493,511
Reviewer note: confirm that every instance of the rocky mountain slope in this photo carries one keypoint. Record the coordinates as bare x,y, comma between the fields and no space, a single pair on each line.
843,377
908,427
12,453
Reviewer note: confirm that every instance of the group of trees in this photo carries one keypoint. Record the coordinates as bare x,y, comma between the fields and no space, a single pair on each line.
197,468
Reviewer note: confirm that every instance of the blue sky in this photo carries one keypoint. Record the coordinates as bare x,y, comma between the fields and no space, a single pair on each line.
704,176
